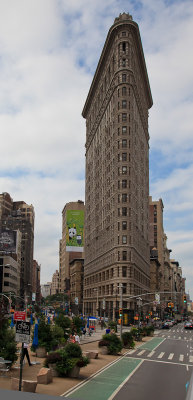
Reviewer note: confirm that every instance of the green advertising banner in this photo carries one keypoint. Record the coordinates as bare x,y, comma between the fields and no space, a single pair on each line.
75,230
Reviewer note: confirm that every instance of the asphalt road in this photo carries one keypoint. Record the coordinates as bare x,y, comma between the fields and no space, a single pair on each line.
165,370
160,368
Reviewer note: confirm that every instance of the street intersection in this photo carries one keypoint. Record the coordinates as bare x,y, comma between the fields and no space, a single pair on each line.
159,368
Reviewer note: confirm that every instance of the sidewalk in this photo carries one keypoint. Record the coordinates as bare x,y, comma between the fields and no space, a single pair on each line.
60,385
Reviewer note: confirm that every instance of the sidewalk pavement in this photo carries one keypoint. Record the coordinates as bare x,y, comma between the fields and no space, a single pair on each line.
61,385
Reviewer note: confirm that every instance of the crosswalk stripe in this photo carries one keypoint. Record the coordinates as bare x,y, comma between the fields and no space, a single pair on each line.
181,358
161,354
191,359
141,352
179,337
151,354
170,356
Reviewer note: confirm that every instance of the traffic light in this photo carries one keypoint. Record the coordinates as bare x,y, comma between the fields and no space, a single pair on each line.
184,298
120,312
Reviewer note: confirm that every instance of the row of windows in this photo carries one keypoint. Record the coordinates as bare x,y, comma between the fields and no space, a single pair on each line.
123,104
123,184
107,290
123,157
122,212
124,170
124,130
124,91
123,117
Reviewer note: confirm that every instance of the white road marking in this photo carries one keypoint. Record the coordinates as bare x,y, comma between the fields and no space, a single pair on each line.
161,354
179,337
151,354
170,356
191,359
124,382
168,336
181,358
141,352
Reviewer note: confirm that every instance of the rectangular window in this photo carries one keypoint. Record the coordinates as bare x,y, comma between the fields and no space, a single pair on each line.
124,272
124,197
123,77
124,211
124,239
124,170
124,184
124,143
123,62
124,156
124,91
124,130
124,288
124,225
124,117
124,104
124,256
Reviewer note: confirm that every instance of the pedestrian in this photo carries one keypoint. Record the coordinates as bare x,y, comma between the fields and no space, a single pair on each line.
77,338
71,339
25,353
84,331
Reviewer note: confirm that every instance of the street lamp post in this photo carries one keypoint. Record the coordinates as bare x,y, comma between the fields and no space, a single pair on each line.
139,309
121,306
97,302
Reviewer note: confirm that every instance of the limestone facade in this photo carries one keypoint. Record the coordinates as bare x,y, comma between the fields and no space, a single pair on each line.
117,174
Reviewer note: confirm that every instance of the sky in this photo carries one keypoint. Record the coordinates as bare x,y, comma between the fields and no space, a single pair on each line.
49,51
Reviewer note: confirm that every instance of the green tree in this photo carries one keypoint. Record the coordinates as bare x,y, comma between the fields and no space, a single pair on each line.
65,323
8,345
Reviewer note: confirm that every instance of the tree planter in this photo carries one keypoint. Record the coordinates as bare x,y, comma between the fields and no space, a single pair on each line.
41,352
104,350
74,372
53,369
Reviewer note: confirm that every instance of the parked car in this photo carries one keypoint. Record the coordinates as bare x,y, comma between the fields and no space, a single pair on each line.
170,322
166,325
188,325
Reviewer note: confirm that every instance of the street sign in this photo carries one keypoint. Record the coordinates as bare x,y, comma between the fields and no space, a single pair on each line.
76,301
19,315
157,298
22,332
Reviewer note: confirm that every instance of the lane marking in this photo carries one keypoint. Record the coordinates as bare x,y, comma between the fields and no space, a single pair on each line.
181,358
165,362
190,358
161,354
170,356
123,383
141,352
151,354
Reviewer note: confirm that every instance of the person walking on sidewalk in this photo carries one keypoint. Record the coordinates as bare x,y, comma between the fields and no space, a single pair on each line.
25,353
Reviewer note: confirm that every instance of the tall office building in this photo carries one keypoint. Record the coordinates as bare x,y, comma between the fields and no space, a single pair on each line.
17,215
117,174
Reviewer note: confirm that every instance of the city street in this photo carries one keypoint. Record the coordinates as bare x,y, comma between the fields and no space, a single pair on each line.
159,368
